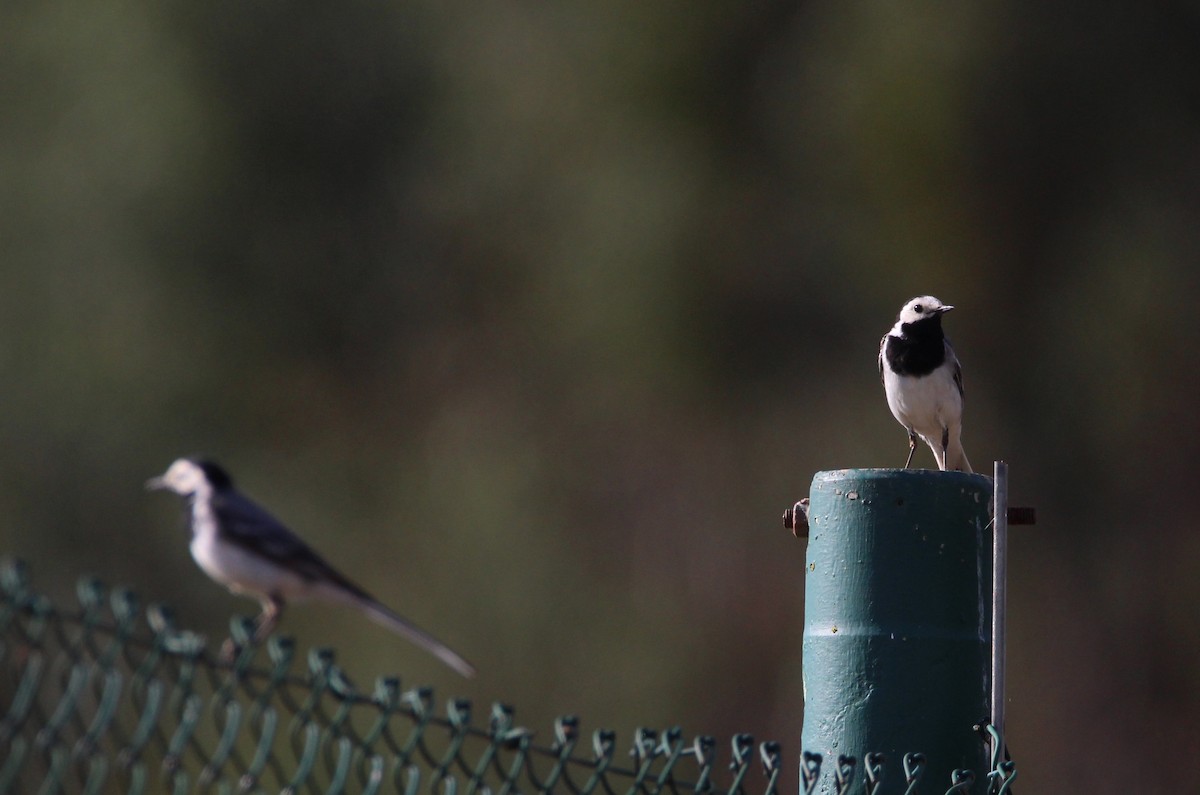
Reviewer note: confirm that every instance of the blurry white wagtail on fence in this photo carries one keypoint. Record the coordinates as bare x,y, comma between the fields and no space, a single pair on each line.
246,549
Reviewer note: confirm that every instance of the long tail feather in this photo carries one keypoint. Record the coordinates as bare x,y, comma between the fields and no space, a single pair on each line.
402,626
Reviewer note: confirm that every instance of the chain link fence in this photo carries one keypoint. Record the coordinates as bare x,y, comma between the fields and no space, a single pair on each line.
105,698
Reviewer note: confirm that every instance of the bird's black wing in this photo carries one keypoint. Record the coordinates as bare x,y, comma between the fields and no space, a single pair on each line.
882,347
245,523
958,378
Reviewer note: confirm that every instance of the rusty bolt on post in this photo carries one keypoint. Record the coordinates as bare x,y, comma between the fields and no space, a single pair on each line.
1024,516
796,519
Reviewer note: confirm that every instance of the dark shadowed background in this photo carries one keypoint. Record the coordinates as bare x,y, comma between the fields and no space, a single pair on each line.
534,318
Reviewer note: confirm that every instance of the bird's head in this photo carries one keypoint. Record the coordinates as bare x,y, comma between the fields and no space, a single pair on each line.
189,475
921,308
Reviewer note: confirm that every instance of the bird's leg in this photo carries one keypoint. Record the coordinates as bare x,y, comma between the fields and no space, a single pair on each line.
912,447
945,445
272,610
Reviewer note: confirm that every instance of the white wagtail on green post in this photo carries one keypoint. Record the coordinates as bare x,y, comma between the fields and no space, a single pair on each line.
243,547
923,382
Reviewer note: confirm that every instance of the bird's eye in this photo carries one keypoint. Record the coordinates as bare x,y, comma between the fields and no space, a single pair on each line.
918,309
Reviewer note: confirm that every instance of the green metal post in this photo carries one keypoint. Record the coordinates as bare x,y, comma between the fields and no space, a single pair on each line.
896,625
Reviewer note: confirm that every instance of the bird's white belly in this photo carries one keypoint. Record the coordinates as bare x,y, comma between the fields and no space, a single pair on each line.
244,572
927,405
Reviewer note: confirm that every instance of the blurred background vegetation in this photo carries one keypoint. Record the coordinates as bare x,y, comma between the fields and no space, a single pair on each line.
534,317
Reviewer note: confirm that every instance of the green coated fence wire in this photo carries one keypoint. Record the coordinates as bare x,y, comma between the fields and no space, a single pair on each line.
112,698
108,698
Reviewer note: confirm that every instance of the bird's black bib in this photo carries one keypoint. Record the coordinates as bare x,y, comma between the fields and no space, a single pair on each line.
920,351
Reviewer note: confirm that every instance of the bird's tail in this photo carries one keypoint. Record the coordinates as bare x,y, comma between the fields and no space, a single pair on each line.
402,626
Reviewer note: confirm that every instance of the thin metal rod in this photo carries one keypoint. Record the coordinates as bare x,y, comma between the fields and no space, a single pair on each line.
999,589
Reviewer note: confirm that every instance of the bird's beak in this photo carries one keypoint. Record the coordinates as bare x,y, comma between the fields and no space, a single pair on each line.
944,309
153,484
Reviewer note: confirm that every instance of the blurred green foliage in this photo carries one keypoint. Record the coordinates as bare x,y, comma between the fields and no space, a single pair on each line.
534,318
